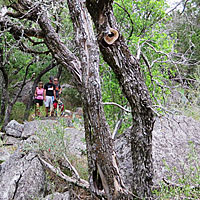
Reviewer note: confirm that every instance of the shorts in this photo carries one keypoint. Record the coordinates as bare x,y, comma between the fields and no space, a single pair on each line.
39,101
49,101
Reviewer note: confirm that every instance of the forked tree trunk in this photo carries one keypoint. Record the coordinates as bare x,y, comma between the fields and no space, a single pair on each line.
101,157
128,73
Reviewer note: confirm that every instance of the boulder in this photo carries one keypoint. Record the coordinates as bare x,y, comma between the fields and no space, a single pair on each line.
14,129
74,141
22,177
4,154
58,196
172,140
9,140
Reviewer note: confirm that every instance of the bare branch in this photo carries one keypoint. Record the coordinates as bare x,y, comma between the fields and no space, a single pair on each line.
81,182
129,16
25,49
23,82
73,169
19,31
115,104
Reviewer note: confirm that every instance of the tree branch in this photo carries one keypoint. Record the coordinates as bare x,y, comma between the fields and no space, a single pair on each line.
131,32
19,31
73,169
117,127
115,104
25,49
23,83
80,183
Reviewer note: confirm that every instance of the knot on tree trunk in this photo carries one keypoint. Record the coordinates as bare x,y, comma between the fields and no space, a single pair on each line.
111,37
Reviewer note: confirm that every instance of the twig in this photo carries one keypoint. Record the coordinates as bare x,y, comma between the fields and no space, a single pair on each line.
131,32
72,167
81,183
115,104
117,127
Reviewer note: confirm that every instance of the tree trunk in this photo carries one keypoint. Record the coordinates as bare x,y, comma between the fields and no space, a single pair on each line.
128,73
103,170
4,94
7,115
4,100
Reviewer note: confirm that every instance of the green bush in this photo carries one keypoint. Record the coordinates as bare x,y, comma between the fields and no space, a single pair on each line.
18,112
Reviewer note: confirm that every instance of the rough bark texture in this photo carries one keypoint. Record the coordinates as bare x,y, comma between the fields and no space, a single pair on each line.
103,170
4,91
128,73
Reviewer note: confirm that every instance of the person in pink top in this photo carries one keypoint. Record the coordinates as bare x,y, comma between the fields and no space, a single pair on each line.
39,96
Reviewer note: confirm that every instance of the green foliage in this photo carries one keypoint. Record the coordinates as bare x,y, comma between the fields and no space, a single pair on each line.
71,98
18,112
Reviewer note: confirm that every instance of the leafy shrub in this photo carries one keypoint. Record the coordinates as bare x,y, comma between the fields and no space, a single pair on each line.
18,112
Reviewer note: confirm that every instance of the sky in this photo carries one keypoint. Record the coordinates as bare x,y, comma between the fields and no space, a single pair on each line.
173,3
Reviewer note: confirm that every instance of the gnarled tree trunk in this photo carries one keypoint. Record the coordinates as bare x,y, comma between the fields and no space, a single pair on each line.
128,73
103,170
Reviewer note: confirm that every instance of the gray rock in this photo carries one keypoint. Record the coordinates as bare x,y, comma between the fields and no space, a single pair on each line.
1,134
74,141
9,140
58,196
172,140
79,111
33,127
14,129
4,154
22,177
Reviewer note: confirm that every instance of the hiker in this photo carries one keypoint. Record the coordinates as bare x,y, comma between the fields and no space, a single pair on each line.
57,87
57,104
49,96
39,96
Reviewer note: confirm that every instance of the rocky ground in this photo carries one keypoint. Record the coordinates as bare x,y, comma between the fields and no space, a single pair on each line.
176,142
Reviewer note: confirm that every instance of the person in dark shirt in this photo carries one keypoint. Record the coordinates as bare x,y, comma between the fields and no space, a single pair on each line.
57,87
49,96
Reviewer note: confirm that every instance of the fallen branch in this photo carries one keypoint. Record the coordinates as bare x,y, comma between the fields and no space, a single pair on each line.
81,182
115,104
72,167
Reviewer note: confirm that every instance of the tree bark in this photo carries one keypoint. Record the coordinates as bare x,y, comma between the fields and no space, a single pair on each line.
103,170
4,100
128,73
4,94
